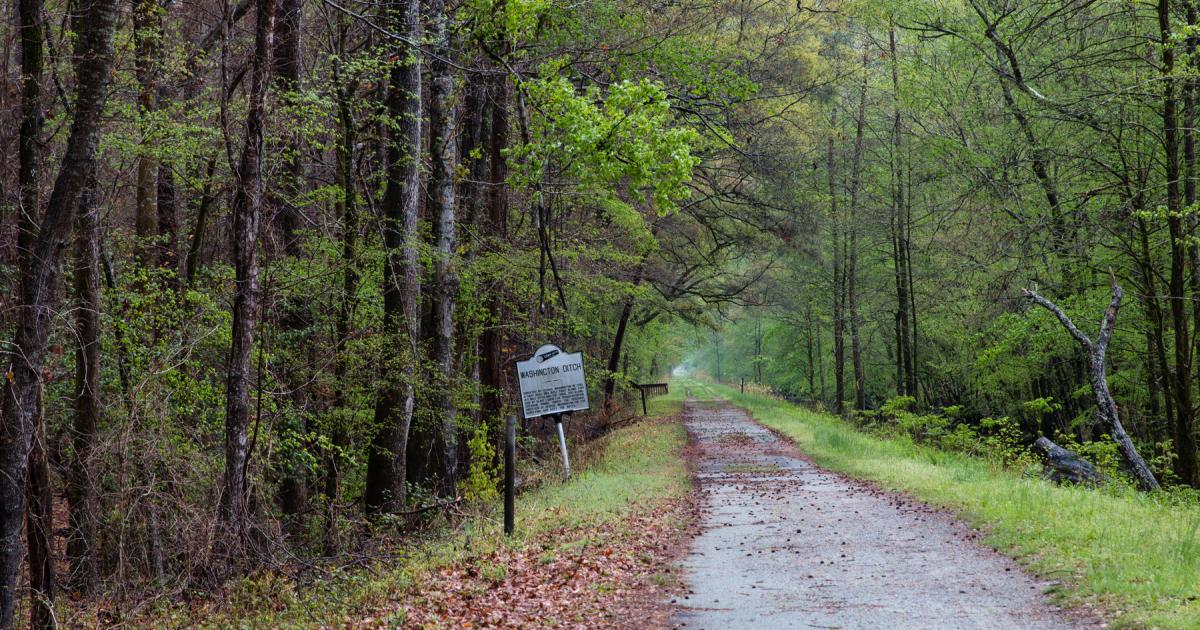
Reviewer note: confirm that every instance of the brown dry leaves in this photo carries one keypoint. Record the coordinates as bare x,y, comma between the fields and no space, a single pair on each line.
613,575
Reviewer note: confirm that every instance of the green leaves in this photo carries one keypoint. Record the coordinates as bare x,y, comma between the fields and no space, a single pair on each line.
621,145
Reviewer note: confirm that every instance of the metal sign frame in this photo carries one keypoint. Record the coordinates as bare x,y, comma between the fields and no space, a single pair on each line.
552,383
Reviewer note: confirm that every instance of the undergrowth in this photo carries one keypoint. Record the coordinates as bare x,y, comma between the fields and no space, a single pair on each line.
622,472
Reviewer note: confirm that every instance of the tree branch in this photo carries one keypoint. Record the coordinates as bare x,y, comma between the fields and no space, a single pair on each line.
1062,317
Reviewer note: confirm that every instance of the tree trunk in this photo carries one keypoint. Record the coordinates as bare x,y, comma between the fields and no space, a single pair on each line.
809,334
386,462
839,322
28,156
147,36
905,383
614,356
1105,405
491,360
910,366
81,486
860,397
167,247
758,339
40,268
443,152
294,316
346,306
202,206
39,528
247,214
1185,430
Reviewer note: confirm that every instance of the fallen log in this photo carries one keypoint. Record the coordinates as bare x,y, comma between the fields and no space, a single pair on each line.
1063,466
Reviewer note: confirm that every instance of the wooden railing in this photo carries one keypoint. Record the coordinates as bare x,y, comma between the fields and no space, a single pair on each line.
650,389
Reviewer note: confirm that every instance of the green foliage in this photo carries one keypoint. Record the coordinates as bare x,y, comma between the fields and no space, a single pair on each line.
482,481
621,144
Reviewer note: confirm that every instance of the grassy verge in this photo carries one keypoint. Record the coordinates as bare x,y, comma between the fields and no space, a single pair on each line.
1137,555
619,476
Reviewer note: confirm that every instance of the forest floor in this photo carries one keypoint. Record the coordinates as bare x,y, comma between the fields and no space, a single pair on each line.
597,550
784,544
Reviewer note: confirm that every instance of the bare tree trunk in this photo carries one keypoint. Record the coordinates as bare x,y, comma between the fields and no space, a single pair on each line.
167,248
39,528
81,487
904,359
860,397
294,316
491,360
839,321
614,355
758,340
147,35
444,152
247,214
809,334
40,269
820,365
28,156
386,463
1106,406
202,206
346,306
906,246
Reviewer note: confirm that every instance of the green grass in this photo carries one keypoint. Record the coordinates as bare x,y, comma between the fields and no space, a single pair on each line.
624,471
1138,555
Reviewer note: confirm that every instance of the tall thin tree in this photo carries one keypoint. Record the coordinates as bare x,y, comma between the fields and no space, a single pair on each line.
247,214
386,461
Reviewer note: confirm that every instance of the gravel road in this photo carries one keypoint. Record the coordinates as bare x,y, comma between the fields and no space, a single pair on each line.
784,544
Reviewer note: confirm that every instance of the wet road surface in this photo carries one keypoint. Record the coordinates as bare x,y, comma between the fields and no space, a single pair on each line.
783,544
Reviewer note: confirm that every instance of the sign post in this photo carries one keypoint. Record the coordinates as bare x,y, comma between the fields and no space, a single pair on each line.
562,443
510,474
552,384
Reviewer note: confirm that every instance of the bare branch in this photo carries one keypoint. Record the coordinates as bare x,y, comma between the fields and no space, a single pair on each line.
1110,316
1062,317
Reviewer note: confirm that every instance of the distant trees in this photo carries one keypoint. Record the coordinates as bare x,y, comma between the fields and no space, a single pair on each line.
1003,147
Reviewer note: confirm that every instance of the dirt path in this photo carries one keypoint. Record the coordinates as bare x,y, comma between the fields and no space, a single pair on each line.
784,544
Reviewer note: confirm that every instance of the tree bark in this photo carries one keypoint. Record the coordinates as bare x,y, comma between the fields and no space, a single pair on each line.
386,462
346,306
294,316
443,200
1097,367
28,156
147,36
247,214
860,397
94,25
1185,430
81,485
39,528
839,321
40,531
491,360
614,355
905,380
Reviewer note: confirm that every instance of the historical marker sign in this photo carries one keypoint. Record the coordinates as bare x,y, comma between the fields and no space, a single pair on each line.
552,382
